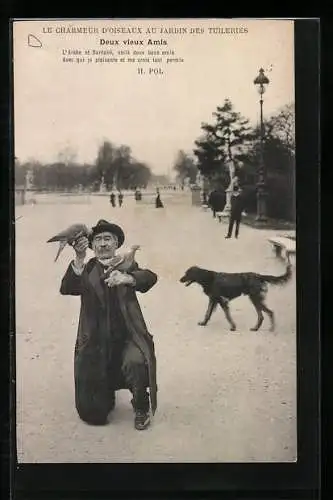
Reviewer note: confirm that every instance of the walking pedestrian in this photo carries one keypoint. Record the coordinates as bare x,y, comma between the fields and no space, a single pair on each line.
138,195
114,350
158,201
113,199
120,198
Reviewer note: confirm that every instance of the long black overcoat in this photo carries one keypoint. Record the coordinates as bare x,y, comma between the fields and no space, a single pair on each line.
92,349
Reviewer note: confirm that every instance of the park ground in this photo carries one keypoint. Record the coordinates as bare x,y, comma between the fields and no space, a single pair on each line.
223,396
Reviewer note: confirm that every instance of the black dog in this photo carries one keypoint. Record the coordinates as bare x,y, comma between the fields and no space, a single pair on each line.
223,287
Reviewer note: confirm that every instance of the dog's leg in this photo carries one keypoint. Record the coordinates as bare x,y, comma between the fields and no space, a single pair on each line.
225,306
211,307
271,316
260,300
258,305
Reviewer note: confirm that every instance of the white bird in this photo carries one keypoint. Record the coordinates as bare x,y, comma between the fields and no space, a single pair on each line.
124,261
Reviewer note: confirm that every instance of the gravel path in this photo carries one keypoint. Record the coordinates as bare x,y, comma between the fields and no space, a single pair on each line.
223,396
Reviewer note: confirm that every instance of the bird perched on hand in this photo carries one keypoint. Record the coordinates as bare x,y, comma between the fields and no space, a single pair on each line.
69,236
123,262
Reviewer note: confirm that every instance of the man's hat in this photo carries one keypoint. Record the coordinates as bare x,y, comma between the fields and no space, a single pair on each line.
103,226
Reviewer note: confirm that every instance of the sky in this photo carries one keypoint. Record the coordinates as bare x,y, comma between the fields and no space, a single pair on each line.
59,105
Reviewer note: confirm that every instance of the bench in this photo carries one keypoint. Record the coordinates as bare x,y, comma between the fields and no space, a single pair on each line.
283,243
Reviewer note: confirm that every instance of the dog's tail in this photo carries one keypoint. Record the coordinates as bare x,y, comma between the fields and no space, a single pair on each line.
278,280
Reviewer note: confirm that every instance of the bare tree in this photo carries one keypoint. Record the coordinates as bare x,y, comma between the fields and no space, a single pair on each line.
282,125
185,167
67,155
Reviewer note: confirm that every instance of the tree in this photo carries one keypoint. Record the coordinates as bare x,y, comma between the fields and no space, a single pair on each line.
119,169
134,175
122,160
279,161
283,126
19,173
56,176
67,155
113,163
229,138
231,130
209,157
185,167
141,175
105,163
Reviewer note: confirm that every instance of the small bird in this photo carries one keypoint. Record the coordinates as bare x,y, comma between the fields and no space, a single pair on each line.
123,262
69,236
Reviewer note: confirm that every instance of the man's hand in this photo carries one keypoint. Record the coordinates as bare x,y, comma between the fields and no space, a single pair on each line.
80,246
118,278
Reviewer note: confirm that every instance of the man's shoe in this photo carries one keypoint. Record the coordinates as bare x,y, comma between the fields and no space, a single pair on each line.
142,420
226,237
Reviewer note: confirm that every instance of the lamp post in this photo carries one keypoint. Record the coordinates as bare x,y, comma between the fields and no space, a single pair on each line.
260,81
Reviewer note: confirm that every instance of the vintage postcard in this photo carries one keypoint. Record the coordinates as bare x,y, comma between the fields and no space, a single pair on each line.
155,241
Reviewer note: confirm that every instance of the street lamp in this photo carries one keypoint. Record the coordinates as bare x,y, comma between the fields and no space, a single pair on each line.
260,81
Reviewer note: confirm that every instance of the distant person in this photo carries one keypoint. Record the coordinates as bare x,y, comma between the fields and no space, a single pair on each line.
113,199
211,201
217,200
158,201
237,207
138,195
120,199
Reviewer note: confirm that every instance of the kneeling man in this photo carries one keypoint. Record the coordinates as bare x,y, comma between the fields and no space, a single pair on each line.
114,349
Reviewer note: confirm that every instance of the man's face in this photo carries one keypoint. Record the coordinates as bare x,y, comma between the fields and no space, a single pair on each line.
104,245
